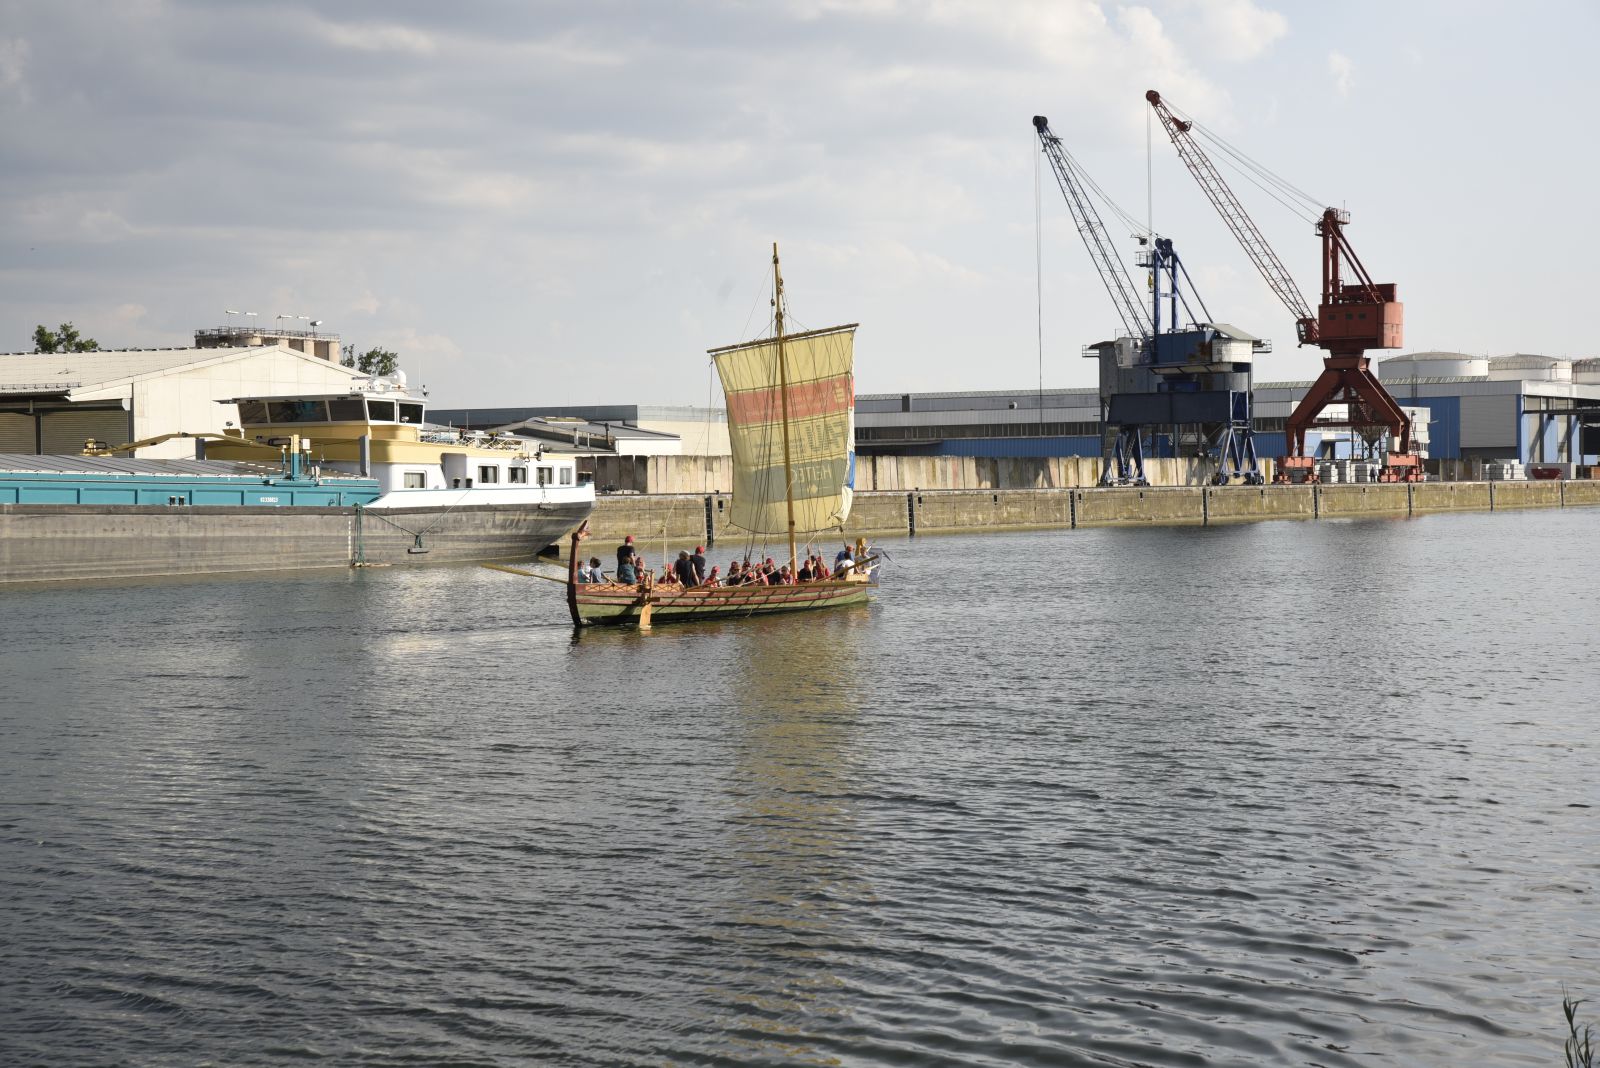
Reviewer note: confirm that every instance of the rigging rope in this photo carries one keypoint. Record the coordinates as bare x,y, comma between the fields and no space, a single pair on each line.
1135,227
1251,170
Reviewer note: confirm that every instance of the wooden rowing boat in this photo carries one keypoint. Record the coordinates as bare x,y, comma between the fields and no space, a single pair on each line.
646,603
791,426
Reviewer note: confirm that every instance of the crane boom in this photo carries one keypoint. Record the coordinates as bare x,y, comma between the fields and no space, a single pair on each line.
1238,220
1113,274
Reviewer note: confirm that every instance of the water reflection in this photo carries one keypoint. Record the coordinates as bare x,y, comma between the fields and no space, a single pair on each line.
793,841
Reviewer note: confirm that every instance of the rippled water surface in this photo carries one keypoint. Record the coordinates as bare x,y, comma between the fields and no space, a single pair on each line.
1288,793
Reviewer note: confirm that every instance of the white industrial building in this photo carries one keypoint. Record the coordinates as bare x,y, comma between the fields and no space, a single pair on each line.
55,402
623,429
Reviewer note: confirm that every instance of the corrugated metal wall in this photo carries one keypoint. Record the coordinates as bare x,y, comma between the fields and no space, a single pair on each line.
1444,425
19,433
1273,444
1488,422
65,432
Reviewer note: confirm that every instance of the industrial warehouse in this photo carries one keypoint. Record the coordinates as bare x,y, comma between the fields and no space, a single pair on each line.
1478,411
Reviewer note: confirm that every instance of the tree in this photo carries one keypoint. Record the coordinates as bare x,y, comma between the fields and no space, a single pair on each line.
64,338
347,356
376,361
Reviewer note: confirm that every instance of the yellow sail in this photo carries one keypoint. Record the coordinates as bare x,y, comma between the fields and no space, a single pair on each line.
822,457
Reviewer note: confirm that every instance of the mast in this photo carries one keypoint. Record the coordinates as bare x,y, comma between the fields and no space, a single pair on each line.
783,394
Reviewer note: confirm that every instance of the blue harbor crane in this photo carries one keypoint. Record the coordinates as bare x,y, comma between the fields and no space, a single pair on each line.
1162,376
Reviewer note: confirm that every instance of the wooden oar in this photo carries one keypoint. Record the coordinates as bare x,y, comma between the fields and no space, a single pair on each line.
644,614
508,569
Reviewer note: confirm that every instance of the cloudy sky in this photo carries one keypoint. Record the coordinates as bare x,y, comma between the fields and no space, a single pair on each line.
568,203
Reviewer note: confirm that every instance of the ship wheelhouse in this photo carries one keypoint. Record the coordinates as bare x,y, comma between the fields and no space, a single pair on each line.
384,433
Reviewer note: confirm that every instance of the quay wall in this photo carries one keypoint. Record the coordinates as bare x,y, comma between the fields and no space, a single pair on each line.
702,475
680,518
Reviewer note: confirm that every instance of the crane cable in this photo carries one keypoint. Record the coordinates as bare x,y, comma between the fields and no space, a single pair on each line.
1134,225
1252,171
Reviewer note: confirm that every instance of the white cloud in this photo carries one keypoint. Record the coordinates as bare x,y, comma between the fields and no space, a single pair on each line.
14,52
373,37
1342,69
128,316
1239,30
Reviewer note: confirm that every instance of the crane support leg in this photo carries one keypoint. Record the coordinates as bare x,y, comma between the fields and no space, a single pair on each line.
1125,465
1348,379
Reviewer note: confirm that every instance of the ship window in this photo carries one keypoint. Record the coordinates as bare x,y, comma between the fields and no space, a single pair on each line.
347,409
488,474
566,476
416,480
518,474
381,410
297,411
411,413
252,411
544,476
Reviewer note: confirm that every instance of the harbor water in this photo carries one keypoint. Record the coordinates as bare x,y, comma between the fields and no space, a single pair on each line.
1281,793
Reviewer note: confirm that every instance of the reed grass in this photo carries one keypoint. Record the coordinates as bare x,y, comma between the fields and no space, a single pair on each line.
1579,1046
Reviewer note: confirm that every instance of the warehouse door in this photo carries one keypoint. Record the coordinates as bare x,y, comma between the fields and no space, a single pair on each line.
18,433
65,432
1489,422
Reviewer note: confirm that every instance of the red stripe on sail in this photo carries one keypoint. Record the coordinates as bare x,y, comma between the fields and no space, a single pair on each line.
826,396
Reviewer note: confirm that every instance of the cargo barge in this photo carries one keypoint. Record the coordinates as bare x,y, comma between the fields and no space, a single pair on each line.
350,479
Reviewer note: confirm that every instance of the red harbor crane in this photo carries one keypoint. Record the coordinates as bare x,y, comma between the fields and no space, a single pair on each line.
1354,316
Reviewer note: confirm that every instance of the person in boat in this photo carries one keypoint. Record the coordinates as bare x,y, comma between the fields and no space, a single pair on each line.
841,556
684,570
595,574
698,559
628,563
806,572
715,578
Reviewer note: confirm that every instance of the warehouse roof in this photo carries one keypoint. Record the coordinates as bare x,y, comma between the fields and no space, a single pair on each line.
40,372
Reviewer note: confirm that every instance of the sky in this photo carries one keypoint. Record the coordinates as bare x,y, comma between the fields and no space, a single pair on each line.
545,204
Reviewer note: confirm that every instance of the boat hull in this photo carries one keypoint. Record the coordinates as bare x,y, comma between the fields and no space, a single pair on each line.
617,605
56,543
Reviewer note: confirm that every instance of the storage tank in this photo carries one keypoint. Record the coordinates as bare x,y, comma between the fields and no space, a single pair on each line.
1432,365
1526,367
1587,371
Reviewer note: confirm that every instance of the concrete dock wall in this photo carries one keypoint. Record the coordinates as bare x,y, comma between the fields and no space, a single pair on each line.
668,475
694,518
1235,503
1451,496
1378,498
